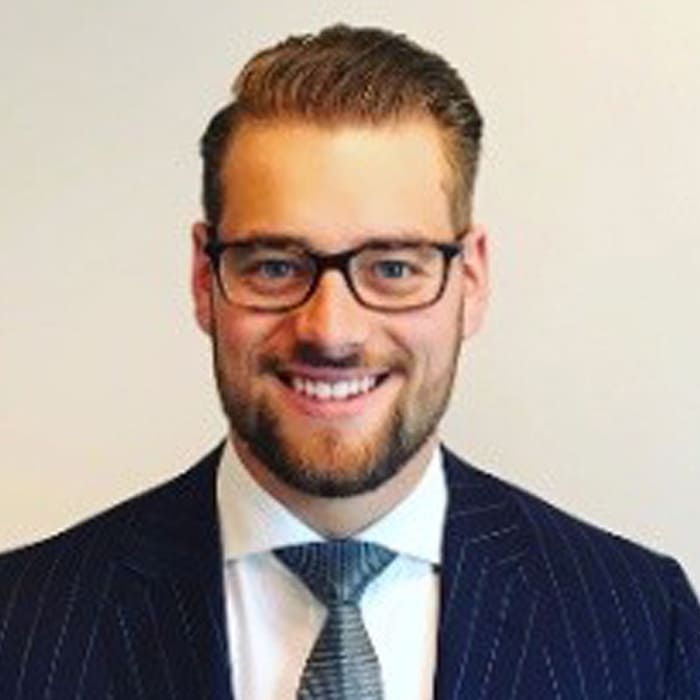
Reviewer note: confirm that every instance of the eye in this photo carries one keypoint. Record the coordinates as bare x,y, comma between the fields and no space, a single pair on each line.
275,269
392,269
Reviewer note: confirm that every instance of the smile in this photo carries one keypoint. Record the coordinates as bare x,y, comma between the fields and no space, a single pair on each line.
339,390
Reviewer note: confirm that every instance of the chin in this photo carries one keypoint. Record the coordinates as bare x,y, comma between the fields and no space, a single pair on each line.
329,464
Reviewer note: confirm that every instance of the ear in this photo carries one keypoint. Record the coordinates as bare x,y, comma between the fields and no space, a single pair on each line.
202,279
475,269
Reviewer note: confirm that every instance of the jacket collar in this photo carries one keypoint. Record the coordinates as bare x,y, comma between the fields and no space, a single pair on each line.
485,545
173,530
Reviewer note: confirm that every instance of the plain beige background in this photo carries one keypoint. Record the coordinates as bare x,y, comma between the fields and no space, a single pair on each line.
583,385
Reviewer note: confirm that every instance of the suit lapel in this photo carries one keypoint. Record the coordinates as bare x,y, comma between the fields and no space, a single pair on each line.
168,627
487,609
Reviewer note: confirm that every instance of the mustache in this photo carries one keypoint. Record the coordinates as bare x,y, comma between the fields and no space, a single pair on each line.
341,357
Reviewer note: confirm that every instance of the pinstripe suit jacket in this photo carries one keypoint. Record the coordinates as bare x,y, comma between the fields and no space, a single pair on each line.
534,604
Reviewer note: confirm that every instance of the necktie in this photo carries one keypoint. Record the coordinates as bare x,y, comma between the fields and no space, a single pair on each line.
342,664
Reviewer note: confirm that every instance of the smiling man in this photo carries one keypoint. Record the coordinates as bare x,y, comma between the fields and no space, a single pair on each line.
337,292
331,547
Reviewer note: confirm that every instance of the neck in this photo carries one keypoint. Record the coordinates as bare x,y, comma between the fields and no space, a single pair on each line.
346,516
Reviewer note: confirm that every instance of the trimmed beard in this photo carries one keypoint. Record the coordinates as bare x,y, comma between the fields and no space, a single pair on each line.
382,455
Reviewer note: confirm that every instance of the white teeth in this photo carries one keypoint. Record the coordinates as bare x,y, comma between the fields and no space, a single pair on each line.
342,390
335,391
323,390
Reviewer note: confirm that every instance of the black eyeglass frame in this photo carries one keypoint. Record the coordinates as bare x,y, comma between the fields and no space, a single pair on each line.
214,247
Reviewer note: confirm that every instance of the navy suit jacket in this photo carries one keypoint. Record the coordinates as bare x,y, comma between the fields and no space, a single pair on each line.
534,604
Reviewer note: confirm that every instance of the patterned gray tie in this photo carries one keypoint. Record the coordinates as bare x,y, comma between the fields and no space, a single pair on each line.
342,664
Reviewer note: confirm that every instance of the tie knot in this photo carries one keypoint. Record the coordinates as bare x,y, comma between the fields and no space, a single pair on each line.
336,571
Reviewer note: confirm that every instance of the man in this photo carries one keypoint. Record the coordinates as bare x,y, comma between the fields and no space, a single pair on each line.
338,272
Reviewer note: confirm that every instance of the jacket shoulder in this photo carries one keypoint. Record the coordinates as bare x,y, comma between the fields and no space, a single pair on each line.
601,594
557,534
77,561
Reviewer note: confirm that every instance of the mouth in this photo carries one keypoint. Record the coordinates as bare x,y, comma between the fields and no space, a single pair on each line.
333,389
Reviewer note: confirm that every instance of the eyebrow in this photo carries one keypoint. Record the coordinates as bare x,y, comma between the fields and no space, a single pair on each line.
399,238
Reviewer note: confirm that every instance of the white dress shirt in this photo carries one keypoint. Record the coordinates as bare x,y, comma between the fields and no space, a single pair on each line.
273,620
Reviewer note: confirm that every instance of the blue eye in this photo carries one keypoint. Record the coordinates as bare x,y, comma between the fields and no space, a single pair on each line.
276,269
392,269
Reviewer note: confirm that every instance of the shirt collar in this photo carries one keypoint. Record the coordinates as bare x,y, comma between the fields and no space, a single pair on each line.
252,521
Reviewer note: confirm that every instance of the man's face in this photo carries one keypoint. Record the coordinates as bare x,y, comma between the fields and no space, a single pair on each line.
333,189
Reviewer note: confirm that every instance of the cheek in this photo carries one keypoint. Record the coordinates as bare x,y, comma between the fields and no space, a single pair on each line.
431,339
242,338
234,341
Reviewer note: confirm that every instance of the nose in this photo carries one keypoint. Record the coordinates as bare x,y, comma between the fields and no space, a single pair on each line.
332,319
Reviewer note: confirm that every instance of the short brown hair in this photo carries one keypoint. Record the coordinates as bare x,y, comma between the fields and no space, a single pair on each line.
350,75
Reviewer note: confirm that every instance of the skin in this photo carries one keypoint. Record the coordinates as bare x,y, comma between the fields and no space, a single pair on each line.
334,188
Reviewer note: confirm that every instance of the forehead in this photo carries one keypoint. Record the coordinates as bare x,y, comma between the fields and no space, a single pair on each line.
336,185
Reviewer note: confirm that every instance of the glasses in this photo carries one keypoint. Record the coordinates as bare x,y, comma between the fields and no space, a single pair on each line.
274,273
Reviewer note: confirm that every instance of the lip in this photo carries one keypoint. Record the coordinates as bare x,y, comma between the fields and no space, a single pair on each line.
329,409
329,374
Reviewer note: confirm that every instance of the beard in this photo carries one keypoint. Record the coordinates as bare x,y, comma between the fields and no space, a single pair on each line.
327,462
324,463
